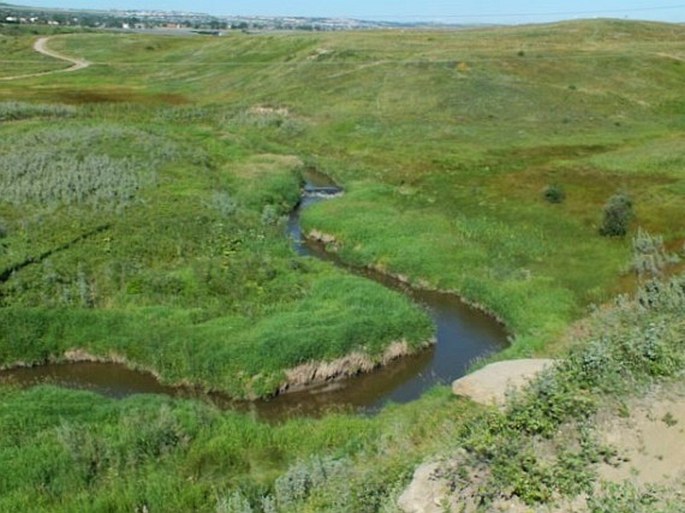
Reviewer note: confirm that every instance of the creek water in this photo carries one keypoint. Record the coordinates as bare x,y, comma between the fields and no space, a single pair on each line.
463,334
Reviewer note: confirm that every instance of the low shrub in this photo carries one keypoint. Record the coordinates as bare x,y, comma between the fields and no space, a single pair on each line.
102,166
627,348
13,111
554,193
649,254
618,213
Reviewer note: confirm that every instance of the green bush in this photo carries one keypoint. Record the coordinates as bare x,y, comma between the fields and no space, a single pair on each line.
554,193
637,343
618,213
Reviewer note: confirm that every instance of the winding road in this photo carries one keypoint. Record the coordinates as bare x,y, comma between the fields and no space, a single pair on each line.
40,46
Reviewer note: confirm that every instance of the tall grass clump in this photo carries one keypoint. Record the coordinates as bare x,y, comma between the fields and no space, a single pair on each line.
223,203
554,193
97,166
184,114
14,110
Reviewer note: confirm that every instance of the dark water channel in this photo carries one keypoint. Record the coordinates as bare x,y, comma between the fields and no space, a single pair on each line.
463,334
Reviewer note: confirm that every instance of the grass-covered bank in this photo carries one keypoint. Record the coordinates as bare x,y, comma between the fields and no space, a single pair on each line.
66,450
163,247
241,355
473,257
73,451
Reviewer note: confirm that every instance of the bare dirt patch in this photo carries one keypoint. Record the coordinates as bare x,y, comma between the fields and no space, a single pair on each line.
649,441
113,95
315,373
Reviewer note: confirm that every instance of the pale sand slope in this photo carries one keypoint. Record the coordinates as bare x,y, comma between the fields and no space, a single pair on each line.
650,440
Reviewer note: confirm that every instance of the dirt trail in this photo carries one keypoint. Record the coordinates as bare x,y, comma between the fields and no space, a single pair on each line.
40,46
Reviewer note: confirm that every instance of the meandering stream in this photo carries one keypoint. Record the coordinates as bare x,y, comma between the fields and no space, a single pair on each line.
463,334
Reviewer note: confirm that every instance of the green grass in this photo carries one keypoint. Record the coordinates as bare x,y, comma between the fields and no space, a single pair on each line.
454,134
142,218
244,355
72,450
18,58
165,247
69,450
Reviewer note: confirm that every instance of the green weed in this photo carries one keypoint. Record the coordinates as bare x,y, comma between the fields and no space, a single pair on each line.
13,110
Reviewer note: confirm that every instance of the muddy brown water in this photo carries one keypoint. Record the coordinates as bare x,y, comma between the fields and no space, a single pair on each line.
463,335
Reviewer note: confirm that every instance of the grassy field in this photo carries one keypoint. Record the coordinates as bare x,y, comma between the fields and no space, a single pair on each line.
141,217
18,58
135,248
452,137
74,451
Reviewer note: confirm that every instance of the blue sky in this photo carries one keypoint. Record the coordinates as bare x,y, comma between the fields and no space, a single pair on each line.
464,11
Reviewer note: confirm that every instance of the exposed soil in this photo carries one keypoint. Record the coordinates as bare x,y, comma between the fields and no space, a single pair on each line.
648,436
649,441
112,95
315,373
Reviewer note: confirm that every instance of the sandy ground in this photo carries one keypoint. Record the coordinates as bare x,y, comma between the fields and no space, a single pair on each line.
649,440
40,46
647,435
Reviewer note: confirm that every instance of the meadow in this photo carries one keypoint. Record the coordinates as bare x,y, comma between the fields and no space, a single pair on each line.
67,451
453,138
141,218
135,249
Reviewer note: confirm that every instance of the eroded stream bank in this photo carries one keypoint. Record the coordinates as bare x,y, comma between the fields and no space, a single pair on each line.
463,334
